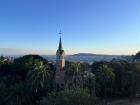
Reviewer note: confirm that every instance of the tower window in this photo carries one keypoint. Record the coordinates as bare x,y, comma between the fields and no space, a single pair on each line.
62,86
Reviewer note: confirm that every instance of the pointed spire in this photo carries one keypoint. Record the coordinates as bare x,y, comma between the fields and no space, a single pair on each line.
60,43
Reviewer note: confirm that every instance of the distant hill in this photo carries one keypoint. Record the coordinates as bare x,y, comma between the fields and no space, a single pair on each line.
90,54
89,57
84,54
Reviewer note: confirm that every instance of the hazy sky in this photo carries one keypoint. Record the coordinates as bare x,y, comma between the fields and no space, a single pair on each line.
91,26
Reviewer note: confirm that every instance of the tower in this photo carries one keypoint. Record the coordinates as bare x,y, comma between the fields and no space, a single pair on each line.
60,64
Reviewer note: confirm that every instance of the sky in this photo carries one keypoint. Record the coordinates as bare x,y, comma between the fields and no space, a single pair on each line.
88,26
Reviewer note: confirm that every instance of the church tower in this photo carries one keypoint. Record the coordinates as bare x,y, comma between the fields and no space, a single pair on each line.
60,64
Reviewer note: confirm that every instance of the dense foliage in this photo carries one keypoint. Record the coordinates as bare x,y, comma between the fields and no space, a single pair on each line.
69,97
29,80
25,80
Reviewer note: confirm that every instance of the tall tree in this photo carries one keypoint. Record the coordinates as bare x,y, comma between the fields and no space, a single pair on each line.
90,82
105,78
74,73
40,78
26,63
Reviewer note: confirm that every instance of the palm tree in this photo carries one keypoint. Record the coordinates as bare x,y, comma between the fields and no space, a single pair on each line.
39,77
105,78
70,70
74,74
90,82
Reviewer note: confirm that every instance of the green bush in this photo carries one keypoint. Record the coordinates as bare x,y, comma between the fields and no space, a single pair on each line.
69,97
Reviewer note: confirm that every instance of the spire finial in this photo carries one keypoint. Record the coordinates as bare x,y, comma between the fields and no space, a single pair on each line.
60,42
60,33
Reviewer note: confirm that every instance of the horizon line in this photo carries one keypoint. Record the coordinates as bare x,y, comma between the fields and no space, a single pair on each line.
16,51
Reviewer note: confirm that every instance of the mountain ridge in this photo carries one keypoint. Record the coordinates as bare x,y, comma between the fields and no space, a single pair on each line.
91,54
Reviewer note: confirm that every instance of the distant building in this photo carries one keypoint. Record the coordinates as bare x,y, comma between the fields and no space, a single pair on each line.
60,64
